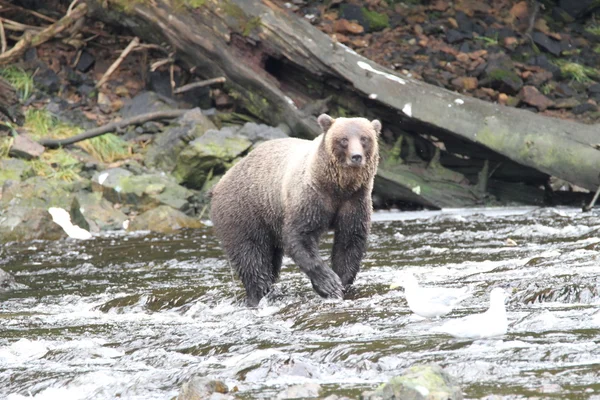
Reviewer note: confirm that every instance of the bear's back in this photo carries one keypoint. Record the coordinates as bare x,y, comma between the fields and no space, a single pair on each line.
254,185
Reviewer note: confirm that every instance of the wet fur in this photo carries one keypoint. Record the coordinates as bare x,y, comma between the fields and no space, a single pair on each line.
284,195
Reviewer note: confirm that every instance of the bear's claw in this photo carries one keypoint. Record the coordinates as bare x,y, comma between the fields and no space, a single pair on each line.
327,284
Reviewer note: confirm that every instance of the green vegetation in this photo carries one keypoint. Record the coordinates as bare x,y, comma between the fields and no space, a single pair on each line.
195,3
488,41
577,72
597,49
57,164
377,21
20,80
548,88
5,143
106,148
593,29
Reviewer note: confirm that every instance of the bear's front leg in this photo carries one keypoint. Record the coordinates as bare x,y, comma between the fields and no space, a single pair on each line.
351,225
303,246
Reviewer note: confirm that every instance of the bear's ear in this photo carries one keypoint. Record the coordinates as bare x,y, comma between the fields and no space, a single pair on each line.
325,122
376,125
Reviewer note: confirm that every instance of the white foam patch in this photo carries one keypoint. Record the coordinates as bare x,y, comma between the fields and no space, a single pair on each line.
23,350
459,101
417,189
373,96
391,77
61,217
407,109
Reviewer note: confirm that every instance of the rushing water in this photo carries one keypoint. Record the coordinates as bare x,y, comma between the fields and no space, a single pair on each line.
132,316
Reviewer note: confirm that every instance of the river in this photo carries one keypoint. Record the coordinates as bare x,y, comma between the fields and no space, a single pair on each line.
131,316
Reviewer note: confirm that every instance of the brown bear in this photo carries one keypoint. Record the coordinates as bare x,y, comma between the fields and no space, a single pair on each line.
286,193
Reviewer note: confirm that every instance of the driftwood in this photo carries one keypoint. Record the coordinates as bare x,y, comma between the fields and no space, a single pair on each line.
30,39
283,70
111,127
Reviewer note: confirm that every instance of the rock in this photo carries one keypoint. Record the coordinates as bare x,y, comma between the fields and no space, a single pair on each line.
142,192
420,382
564,90
455,36
46,79
566,103
595,88
19,223
86,62
539,78
24,147
200,388
304,391
260,132
583,107
40,192
465,83
163,152
543,62
501,74
163,219
550,45
214,151
8,283
104,103
13,169
353,12
92,212
578,8
345,26
143,103
530,95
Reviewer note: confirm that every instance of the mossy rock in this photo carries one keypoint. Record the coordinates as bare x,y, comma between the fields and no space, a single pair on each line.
90,211
13,169
21,223
41,192
163,219
141,192
377,21
419,382
209,155
167,145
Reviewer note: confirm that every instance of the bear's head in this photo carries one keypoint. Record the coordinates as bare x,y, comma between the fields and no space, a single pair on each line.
351,142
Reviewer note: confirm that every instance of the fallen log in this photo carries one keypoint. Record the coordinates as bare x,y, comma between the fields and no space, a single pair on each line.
283,70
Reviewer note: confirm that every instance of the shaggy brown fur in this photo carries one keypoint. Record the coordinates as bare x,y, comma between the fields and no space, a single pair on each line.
286,193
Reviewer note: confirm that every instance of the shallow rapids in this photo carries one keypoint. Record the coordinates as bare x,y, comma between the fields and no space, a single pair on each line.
132,316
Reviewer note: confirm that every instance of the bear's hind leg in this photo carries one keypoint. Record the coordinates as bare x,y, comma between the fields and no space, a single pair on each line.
253,264
276,263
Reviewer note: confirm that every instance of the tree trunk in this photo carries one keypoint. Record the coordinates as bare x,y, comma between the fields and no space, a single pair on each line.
283,70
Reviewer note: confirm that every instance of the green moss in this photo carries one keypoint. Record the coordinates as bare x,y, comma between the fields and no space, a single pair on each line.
195,3
504,74
251,25
597,49
377,21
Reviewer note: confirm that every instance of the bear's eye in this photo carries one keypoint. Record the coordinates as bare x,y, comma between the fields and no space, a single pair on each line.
344,142
364,139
